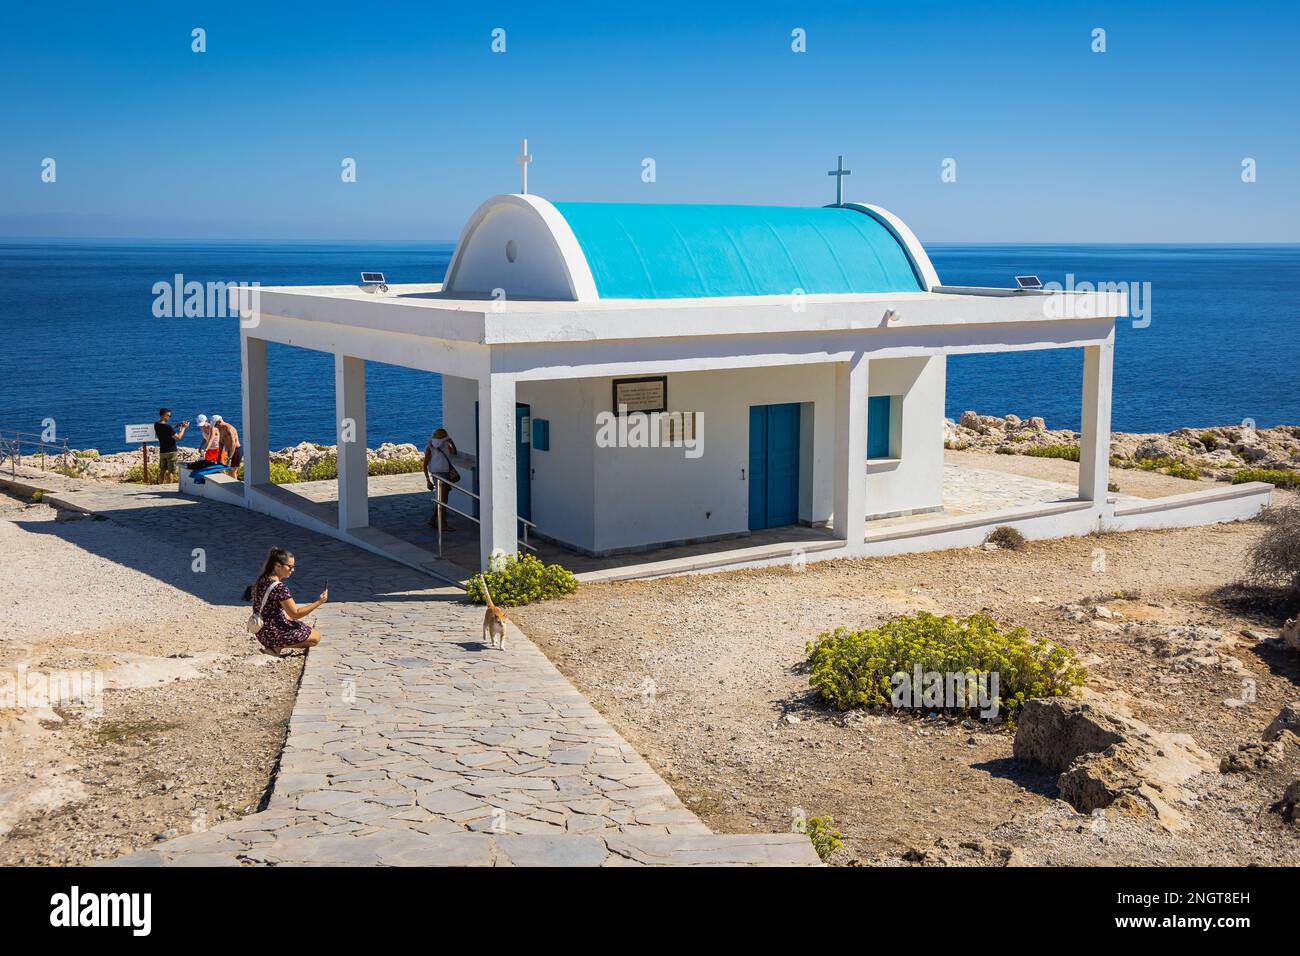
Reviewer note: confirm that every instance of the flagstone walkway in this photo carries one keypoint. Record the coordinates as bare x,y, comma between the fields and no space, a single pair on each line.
411,742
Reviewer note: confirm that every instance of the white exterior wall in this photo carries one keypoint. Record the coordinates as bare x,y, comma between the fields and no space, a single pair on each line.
563,478
911,479
603,499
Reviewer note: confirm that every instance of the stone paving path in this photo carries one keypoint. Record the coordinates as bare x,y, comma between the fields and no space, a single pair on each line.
411,742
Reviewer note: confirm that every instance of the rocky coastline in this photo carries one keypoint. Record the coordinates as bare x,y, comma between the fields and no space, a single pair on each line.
1217,452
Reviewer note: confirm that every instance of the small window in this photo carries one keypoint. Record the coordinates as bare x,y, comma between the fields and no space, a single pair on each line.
510,250
879,413
541,434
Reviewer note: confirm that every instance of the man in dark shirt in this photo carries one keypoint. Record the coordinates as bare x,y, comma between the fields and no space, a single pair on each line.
167,438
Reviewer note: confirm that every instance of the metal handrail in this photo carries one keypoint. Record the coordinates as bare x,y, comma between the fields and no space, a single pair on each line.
11,447
439,505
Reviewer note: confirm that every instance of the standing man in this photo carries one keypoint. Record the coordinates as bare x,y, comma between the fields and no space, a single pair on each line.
231,452
167,437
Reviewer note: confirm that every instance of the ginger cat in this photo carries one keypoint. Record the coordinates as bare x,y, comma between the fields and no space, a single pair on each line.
494,622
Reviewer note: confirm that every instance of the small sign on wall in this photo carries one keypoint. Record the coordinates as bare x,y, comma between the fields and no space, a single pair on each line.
641,394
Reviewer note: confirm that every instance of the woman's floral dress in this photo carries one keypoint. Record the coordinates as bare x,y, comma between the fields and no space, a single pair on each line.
277,629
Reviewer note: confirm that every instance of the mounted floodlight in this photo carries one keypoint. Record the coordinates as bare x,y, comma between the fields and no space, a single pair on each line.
1029,283
373,282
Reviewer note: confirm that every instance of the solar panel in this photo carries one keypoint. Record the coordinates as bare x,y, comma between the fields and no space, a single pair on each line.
372,277
1029,282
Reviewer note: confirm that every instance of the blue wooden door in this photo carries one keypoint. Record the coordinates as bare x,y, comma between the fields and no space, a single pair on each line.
773,465
523,464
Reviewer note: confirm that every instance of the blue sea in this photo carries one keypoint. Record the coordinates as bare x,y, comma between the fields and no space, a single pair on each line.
82,344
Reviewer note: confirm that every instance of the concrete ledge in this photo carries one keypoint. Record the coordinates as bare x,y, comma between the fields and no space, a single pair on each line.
1212,506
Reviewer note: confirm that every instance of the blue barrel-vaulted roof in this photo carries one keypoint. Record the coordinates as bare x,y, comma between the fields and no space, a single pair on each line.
525,247
640,251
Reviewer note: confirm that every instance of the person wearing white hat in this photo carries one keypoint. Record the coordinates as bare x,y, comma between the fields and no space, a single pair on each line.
208,442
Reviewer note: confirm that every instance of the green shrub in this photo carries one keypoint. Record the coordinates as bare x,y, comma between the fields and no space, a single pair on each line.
281,474
825,838
522,580
394,466
38,496
67,471
85,453
1209,440
1005,536
1004,450
134,474
325,469
1170,466
853,668
1069,452
1274,476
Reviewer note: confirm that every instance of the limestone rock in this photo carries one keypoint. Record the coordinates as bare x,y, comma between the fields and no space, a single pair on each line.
1107,757
1291,635
1256,755
1290,806
1288,718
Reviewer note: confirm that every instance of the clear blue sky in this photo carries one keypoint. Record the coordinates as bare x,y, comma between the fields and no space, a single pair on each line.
1052,141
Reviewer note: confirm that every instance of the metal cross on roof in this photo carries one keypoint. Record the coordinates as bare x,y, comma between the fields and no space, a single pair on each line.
839,172
523,159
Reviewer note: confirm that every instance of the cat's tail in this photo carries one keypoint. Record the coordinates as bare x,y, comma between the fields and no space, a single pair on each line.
486,593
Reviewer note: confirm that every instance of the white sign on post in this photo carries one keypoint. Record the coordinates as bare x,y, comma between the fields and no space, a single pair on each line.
140,434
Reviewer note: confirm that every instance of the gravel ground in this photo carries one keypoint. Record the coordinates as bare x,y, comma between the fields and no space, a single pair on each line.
704,676
191,718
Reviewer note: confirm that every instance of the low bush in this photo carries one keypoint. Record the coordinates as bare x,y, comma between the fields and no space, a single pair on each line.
135,474
1280,477
1068,452
325,469
1170,466
1005,536
281,474
1209,440
1274,560
394,466
854,668
522,580
825,838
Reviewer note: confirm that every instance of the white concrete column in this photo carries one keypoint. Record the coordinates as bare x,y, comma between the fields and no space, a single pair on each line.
496,465
1094,432
350,424
849,521
256,437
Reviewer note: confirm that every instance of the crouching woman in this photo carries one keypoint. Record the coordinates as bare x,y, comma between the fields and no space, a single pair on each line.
282,624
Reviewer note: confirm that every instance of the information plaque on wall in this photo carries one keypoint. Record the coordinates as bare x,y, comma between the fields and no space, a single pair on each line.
641,394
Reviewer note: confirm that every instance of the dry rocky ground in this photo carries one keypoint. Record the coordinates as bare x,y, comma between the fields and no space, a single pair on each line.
705,676
190,721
